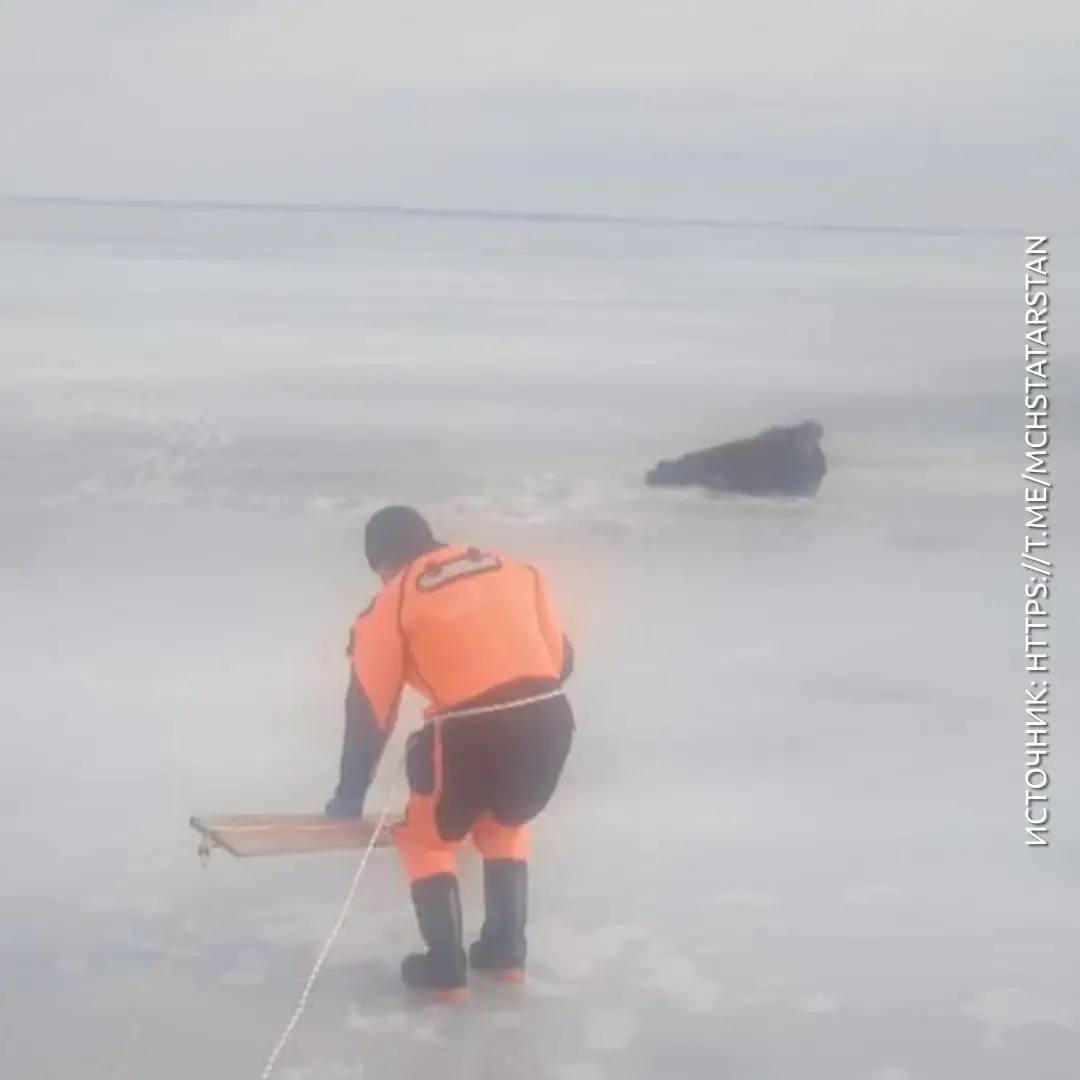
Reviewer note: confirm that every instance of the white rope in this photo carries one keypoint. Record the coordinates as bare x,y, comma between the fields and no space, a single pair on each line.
301,1005
480,710
343,914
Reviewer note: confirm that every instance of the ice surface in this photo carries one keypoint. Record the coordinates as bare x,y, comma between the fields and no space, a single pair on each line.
788,844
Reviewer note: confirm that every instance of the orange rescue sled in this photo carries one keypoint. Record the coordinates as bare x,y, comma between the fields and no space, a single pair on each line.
248,835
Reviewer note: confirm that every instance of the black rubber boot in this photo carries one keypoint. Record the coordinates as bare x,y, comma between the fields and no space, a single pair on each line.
438,912
500,949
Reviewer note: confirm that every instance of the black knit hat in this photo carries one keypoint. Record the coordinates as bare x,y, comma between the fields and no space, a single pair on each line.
395,535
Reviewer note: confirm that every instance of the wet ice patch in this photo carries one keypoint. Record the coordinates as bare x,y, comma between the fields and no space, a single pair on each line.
328,504
425,1033
244,977
871,894
351,952
580,1070
744,899
400,1024
323,1071
549,988
576,954
870,689
532,499
102,904
758,998
505,1021
128,939
610,1031
1002,1008
769,990
677,978
145,461
817,1004
737,658
1016,959
388,1023
299,924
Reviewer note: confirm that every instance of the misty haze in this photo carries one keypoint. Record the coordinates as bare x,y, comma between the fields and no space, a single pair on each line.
788,843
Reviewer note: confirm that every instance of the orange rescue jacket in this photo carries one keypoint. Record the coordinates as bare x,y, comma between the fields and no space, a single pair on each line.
455,624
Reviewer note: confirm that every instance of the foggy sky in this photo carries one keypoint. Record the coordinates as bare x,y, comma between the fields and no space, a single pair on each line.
886,112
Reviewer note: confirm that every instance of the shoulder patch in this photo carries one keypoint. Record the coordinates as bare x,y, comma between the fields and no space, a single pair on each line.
437,574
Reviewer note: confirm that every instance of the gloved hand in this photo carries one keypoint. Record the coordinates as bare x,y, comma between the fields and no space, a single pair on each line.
342,807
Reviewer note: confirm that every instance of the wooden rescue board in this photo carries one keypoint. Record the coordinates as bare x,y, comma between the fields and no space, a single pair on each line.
248,835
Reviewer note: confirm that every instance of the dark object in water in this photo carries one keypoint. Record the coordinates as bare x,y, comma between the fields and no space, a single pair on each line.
779,461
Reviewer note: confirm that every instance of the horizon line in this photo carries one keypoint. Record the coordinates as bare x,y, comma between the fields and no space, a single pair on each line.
543,217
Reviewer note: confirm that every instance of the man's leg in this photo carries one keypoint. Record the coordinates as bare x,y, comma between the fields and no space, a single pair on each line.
429,864
527,755
500,948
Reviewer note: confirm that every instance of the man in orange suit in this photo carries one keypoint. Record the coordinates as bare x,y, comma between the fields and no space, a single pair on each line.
477,635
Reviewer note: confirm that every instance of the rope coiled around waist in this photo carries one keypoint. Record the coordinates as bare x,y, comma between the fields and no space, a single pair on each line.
502,706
